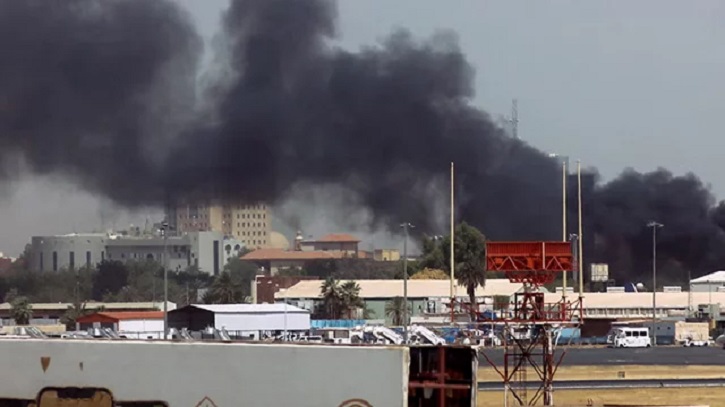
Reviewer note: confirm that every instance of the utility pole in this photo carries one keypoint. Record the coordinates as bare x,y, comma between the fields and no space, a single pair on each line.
654,225
405,227
165,231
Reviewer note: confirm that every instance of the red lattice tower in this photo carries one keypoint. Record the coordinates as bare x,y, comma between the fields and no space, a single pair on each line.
528,334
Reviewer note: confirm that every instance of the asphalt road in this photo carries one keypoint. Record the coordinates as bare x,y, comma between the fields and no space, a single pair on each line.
669,355
616,384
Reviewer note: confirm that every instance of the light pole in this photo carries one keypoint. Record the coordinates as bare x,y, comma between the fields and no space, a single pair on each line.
165,230
654,225
406,227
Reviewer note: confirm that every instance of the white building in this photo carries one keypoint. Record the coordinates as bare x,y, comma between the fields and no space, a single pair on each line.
713,282
205,250
241,318
133,325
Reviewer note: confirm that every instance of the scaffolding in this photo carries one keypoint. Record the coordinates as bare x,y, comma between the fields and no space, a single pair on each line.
531,329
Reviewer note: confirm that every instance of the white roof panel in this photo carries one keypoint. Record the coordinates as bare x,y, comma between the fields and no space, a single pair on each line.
250,308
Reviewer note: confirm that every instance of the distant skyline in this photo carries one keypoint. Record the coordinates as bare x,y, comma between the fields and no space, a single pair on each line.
623,84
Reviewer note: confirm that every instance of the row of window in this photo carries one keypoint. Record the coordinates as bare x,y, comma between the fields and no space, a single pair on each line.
71,260
248,216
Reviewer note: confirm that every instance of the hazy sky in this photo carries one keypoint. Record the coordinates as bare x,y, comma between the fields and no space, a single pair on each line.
617,84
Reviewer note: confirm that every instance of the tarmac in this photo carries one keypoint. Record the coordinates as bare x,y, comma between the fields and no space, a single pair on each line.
665,355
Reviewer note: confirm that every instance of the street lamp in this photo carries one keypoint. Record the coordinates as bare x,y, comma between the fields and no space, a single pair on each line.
654,225
406,227
165,230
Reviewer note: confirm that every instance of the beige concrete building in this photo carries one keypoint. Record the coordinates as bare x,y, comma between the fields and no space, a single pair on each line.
250,224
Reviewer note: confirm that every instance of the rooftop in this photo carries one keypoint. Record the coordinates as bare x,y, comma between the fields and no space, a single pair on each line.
123,316
717,277
279,254
246,308
642,300
62,306
337,238
394,288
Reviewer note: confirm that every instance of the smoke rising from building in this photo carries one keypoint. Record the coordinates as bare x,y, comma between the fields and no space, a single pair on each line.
103,93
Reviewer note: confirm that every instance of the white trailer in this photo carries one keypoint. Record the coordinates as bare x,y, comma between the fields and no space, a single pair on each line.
122,373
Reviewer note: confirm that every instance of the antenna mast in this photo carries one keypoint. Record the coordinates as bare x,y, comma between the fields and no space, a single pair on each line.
515,118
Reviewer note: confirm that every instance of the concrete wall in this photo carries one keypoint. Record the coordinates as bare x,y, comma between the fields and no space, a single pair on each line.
141,325
183,374
205,254
135,249
43,249
263,321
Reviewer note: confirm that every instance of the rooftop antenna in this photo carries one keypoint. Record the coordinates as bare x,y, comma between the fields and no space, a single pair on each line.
515,119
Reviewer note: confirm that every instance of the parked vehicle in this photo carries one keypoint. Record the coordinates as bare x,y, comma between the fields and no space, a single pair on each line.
629,338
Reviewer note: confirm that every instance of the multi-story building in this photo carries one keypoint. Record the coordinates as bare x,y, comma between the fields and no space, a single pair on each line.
250,224
209,251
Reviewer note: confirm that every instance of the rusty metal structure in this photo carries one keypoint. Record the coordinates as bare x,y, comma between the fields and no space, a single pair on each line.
530,328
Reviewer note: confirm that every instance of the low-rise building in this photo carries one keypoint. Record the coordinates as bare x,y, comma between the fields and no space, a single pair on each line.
334,242
274,260
52,313
428,299
241,320
131,324
713,282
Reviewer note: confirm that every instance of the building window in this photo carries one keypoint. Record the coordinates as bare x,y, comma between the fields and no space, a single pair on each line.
41,262
72,259
103,256
88,259
55,261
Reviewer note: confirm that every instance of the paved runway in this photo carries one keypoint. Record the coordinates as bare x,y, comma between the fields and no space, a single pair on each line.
670,355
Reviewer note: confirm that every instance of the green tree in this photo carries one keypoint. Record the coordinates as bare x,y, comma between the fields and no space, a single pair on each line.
331,298
395,310
243,274
75,311
469,260
350,298
21,310
225,290
112,276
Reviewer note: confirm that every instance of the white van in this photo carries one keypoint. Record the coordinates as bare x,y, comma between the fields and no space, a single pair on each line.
629,338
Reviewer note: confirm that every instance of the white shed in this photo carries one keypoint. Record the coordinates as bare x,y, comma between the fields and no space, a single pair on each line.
241,317
712,282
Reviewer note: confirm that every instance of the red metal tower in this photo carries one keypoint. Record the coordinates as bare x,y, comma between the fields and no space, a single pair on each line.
529,329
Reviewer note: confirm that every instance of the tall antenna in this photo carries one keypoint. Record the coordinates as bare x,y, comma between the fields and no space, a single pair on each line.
515,118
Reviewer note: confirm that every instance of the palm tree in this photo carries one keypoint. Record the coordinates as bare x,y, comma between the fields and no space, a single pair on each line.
75,311
21,310
225,289
470,256
350,298
331,298
395,310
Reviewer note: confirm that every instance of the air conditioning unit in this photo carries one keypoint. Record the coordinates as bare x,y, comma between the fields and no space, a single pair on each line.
615,289
672,289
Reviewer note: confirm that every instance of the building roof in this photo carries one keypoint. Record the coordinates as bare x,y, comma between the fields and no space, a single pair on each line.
394,288
121,316
62,306
717,277
338,238
679,300
247,308
278,254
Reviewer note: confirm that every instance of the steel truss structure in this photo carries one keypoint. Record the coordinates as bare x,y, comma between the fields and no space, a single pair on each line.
531,329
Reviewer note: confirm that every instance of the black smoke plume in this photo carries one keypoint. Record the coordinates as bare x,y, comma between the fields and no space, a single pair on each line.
103,93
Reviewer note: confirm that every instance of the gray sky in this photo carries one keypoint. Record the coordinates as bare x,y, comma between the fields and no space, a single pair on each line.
617,84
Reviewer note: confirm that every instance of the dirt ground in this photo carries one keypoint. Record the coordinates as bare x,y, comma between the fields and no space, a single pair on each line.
621,372
712,397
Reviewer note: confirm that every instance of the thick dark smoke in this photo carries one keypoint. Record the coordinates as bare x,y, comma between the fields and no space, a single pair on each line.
102,92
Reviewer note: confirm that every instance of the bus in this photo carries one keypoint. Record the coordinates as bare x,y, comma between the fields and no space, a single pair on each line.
626,337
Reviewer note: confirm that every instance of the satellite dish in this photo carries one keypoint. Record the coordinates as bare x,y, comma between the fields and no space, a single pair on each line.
640,286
